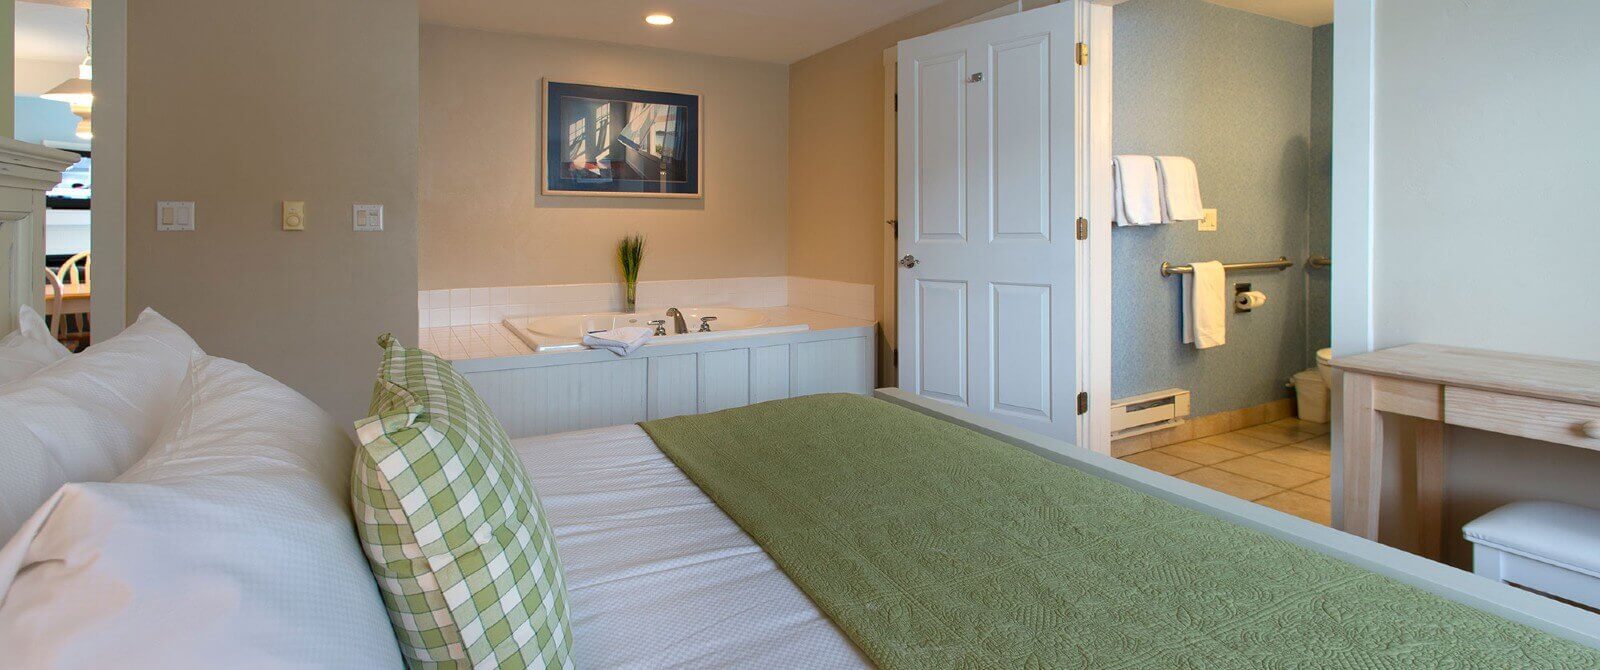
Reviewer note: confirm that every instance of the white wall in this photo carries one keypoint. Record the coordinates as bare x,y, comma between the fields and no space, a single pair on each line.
1487,156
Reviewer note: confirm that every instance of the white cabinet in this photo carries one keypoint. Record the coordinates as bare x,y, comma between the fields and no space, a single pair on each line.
551,393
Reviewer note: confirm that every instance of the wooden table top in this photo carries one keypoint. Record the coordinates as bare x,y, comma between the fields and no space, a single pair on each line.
1544,377
69,292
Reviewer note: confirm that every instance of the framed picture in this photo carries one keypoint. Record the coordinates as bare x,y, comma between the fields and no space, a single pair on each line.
612,141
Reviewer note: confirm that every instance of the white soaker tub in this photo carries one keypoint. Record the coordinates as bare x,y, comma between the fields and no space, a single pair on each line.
566,331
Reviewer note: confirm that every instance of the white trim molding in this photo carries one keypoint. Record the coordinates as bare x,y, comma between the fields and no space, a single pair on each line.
108,308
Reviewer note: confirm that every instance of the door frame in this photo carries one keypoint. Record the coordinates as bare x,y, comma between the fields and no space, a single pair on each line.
1093,192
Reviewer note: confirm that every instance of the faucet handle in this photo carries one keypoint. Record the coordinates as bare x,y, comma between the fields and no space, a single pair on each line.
661,326
705,323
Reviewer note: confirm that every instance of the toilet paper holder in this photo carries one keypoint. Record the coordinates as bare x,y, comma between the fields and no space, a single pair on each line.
1241,298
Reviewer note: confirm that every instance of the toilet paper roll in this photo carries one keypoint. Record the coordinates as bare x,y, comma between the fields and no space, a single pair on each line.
1250,299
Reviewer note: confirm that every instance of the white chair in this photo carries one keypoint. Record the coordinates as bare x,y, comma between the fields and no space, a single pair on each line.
70,274
1549,547
53,303
75,272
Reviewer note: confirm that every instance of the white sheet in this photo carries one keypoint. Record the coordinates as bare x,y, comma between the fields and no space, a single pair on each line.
658,575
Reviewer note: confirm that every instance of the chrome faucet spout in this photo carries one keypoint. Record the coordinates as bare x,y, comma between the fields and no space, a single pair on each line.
678,326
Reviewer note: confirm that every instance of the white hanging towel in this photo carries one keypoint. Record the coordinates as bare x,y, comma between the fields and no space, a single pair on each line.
1180,189
619,341
1138,191
1205,306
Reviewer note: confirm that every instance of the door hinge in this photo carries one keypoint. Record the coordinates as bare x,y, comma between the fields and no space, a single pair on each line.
1083,403
1083,228
897,102
897,358
894,224
1083,53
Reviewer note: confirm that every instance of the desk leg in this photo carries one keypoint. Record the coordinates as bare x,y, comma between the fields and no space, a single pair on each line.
1363,456
1430,487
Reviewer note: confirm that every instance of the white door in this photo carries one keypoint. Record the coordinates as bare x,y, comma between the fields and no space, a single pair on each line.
988,296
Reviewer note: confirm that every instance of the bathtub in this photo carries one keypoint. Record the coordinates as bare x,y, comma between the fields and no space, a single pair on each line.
564,332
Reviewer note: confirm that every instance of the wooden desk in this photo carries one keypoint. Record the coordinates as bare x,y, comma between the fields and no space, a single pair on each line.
1548,399
74,299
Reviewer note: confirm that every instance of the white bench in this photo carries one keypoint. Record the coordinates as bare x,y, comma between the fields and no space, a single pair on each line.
1550,547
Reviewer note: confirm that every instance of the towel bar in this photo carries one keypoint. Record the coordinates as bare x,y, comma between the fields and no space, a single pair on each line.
1283,262
1319,262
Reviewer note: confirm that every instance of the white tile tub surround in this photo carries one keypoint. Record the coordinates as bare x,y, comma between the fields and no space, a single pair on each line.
464,307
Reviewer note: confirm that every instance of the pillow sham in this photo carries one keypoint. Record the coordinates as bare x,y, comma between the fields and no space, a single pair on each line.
88,417
227,546
29,348
452,528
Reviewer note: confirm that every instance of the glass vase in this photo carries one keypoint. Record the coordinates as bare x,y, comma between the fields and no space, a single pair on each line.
630,296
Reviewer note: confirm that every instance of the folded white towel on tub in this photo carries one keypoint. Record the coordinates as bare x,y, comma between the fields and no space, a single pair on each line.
620,341
1180,188
1205,306
1138,191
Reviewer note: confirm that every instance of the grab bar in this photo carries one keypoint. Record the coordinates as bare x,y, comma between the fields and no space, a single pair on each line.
1168,269
1319,262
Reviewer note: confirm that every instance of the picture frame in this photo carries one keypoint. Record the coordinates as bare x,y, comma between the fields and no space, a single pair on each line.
618,141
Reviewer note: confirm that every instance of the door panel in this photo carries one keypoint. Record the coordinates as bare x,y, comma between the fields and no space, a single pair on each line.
942,354
1021,349
1020,106
940,165
988,313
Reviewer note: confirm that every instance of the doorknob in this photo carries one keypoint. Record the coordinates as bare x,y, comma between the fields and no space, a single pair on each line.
909,261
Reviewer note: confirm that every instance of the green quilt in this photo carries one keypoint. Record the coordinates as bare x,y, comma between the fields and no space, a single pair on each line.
933,546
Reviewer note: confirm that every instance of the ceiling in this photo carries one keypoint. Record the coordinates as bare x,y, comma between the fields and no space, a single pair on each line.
777,31
1304,12
50,32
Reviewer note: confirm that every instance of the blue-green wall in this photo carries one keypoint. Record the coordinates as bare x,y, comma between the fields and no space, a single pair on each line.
1233,91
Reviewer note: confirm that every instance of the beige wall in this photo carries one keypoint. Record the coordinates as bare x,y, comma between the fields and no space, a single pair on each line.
238,105
1485,150
836,148
483,220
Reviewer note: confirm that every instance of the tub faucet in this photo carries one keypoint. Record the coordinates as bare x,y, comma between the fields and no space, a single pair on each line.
678,326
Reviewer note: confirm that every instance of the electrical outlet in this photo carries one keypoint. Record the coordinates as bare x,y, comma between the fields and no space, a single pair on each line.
174,216
294,215
1209,223
368,218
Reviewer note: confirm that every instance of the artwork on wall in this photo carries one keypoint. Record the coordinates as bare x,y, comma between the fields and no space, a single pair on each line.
613,141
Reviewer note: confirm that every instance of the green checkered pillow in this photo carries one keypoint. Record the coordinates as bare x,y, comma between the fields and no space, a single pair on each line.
463,555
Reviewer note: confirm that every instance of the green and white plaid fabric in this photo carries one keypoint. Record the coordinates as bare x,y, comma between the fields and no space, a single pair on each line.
455,534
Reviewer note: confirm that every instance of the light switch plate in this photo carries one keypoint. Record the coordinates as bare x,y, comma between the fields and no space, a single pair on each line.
1209,223
174,216
368,218
294,215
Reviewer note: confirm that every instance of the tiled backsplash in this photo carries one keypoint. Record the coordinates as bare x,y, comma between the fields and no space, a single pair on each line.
463,306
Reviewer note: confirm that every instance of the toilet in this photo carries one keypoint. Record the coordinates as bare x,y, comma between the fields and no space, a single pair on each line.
1324,358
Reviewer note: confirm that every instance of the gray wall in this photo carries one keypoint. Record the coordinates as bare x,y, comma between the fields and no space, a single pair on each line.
1231,90
1484,232
1319,298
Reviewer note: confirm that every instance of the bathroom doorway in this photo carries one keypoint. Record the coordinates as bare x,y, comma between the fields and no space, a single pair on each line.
1247,98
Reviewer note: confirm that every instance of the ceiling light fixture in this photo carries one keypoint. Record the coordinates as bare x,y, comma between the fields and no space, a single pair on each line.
79,91
658,20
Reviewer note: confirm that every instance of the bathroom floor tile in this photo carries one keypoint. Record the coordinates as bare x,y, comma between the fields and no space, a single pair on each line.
1316,444
1163,463
1229,483
1300,505
1275,433
1305,459
1199,452
1271,472
1302,426
1243,444
1322,488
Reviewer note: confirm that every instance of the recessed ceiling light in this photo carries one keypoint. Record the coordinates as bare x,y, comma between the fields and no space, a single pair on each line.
658,20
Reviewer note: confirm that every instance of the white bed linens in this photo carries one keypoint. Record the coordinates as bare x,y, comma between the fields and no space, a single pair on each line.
657,574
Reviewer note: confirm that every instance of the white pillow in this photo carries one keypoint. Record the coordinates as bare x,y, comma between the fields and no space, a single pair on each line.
22,353
230,545
88,417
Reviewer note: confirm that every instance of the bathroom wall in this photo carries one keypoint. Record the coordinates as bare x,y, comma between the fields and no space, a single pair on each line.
1319,297
1484,177
1233,91
229,114
484,223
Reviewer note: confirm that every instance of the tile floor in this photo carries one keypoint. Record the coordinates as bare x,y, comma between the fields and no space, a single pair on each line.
1283,465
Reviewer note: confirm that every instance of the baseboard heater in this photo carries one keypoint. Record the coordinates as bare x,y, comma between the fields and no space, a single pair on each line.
1149,412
